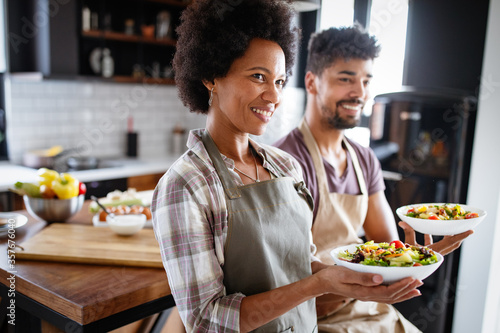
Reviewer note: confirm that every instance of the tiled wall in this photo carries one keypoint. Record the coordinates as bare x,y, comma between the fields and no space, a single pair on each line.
92,116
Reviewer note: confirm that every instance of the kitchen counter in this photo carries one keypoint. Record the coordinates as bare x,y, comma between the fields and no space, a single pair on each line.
76,297
109,169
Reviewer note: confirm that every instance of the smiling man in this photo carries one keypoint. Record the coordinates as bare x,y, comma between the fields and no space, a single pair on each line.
344,177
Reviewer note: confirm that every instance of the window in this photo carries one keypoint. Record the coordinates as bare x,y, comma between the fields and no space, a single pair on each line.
336,13
387,22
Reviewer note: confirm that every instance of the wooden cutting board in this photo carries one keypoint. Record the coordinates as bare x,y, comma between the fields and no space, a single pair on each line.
91,245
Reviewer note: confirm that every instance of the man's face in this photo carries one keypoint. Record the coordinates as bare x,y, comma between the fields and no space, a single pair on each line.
342,91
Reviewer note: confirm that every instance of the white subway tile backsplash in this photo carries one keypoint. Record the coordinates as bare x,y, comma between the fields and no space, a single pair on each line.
92,116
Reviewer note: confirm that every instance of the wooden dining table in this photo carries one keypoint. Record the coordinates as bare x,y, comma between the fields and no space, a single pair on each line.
75,297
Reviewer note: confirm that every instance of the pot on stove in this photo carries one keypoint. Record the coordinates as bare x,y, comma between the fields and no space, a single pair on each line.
82,162
44,158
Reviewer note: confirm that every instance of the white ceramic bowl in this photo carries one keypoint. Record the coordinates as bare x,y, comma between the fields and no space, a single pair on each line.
390,274
126,225
441,227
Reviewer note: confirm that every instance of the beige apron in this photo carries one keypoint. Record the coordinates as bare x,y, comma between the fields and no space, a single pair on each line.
340,216
267,243
338,222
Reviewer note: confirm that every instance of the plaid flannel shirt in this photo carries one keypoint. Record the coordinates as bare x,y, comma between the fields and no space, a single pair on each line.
190,222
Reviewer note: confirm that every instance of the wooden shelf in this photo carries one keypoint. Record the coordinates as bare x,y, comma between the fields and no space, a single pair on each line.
178,3
118,36
147,80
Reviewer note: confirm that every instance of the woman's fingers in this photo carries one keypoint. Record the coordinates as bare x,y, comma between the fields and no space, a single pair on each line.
347,276
367,287
407,292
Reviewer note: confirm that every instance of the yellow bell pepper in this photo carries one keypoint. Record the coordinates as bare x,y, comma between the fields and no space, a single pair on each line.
47,176
66,186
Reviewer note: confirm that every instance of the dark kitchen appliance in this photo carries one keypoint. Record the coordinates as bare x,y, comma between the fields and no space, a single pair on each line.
425,137
4,153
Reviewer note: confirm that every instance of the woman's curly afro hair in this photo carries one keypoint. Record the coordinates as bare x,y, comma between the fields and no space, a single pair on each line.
214,33
339,43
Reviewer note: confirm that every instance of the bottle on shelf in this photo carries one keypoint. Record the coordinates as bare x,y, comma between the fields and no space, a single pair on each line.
163,24
129,27
108,64
86,18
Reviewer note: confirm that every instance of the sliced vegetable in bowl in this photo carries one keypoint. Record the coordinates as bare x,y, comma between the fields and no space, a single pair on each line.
117,198
441,219
394,261
441,212
123,203
394,254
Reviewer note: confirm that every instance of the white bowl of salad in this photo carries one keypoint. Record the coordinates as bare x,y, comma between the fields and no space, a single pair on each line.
441,219
394,261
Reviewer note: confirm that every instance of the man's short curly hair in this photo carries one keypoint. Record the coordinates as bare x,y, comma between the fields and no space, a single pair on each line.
214,33
339,43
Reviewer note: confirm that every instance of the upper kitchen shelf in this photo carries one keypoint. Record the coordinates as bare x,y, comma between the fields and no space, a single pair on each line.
117,40
118,36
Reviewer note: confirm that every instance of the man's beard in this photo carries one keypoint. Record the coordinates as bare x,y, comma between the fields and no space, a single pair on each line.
334,121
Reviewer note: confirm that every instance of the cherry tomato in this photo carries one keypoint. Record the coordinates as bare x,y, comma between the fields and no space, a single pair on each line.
471,215
433,217
417,264
397,244
82,189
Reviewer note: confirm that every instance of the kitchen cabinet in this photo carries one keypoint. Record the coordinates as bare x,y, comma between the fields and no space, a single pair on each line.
145,182
71,38
139,35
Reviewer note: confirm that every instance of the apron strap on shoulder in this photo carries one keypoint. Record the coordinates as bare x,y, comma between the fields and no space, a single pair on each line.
302,189
228,183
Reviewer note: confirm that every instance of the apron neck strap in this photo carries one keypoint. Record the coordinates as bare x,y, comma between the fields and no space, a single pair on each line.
230,187
357,167
318,159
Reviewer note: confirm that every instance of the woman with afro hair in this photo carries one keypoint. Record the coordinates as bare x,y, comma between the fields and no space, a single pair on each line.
232,217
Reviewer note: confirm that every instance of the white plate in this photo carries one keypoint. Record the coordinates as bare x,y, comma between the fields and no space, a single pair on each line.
390,274
441,227
97,223
19,221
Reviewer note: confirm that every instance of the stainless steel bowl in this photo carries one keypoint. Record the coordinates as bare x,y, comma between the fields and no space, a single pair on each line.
53,210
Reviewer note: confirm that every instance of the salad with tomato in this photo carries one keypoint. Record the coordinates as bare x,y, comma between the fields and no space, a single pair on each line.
440,212
393,254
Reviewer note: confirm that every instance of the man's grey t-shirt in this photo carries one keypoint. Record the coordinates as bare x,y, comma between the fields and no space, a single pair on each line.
294,144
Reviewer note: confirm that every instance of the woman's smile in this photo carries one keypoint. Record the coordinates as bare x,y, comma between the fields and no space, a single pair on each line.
263,114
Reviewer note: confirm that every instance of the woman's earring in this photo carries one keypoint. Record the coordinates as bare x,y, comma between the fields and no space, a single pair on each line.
211,97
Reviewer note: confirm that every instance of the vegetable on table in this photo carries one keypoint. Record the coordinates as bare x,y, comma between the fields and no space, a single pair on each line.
51,185
66,187
29,189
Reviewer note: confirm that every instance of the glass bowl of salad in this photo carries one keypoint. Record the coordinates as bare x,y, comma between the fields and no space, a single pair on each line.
441,219
394,261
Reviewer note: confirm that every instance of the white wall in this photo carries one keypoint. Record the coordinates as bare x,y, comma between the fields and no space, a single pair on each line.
477,307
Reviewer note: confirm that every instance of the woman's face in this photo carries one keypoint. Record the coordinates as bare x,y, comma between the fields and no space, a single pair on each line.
247,97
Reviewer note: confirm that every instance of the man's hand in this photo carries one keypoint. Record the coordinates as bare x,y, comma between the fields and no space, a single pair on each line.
446,245
366,286
329,303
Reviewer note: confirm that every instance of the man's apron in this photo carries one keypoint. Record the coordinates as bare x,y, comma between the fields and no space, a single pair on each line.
267,243
338,222
340,216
